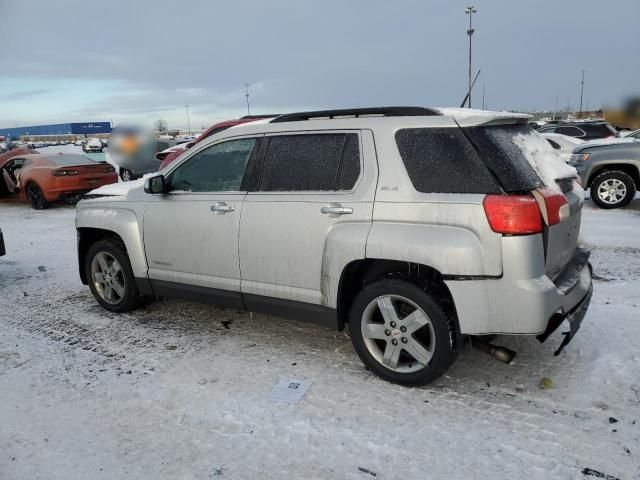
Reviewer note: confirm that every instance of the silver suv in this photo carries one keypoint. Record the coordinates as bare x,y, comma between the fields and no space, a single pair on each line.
415,227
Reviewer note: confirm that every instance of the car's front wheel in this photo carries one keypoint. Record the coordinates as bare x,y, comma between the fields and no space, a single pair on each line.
401,332
612,189
110,277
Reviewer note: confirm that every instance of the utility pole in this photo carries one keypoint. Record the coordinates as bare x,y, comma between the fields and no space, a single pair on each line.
188,121
483,92
581,93
470,11
246,94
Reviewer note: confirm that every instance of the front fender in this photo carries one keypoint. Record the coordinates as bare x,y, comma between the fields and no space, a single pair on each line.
597,166
122,221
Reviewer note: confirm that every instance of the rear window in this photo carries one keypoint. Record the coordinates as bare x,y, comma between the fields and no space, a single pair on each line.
442,160
311,162
500,147
68,160
599,130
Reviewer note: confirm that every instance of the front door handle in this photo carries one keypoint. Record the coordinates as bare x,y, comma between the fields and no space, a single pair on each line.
220,208
335,210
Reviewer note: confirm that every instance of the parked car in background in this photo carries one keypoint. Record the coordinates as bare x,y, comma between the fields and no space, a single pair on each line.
42,179
78,143
351,217
562,144
4,146
136,166
167,157
635,134
92,145
611,169
582,130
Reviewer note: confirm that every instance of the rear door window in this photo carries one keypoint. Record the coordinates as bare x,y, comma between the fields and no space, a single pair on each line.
310,162
599,130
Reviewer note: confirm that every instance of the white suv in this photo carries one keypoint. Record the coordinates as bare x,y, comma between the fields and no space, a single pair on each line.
415,227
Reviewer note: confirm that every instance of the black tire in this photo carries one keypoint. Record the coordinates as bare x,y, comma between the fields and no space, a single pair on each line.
36,197
612,176
444,352
126,175
130,299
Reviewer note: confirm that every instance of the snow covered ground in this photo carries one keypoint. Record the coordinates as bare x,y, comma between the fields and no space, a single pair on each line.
178,390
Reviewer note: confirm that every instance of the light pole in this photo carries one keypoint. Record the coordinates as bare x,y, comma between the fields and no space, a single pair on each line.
581,93
246,94
188,121
470,11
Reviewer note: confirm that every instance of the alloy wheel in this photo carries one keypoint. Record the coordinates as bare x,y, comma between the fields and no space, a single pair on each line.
612,191
108,277
35,196
398,333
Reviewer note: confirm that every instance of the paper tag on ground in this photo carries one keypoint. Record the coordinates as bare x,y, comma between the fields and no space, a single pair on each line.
289,390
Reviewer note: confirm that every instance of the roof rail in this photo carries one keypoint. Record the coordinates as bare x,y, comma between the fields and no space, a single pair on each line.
358,112
262,115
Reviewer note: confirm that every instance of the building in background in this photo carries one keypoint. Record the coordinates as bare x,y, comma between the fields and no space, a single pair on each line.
58,131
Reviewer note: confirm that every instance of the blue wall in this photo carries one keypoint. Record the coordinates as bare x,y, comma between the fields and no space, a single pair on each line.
58,129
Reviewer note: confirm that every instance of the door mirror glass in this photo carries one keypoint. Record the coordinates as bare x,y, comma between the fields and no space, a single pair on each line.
154,185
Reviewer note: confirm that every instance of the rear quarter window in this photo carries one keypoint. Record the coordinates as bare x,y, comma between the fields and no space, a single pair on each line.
442,160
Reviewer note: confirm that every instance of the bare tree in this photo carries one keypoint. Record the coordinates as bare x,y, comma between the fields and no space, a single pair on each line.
161,125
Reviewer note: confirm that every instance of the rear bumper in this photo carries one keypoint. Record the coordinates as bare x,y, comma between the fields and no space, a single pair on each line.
524,301
72,187
574,318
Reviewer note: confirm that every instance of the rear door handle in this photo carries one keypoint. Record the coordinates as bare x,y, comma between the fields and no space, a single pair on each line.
221,208
336,210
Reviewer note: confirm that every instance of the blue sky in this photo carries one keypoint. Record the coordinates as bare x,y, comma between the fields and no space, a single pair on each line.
76,60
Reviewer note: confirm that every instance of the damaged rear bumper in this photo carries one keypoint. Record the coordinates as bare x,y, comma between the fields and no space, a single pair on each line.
573,317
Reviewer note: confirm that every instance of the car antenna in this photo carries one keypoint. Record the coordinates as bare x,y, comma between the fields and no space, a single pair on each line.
470,88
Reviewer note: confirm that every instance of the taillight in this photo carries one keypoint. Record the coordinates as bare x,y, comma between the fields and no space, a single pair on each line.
513,214
64,173
556,207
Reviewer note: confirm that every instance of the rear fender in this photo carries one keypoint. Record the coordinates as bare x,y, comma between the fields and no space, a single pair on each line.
453,251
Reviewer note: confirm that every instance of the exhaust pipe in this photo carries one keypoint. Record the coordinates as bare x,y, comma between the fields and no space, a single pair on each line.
502,354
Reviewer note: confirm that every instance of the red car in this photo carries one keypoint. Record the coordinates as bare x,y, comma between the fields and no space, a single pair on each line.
171,154
42,179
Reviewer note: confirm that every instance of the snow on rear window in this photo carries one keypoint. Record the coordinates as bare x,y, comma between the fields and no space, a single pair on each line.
544,160
519,156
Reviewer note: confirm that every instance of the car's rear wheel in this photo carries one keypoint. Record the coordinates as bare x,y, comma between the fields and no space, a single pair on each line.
126,175
36,197
110,276
401,333
612,189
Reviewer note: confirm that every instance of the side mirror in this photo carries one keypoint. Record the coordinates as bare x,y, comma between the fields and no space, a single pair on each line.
156,184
